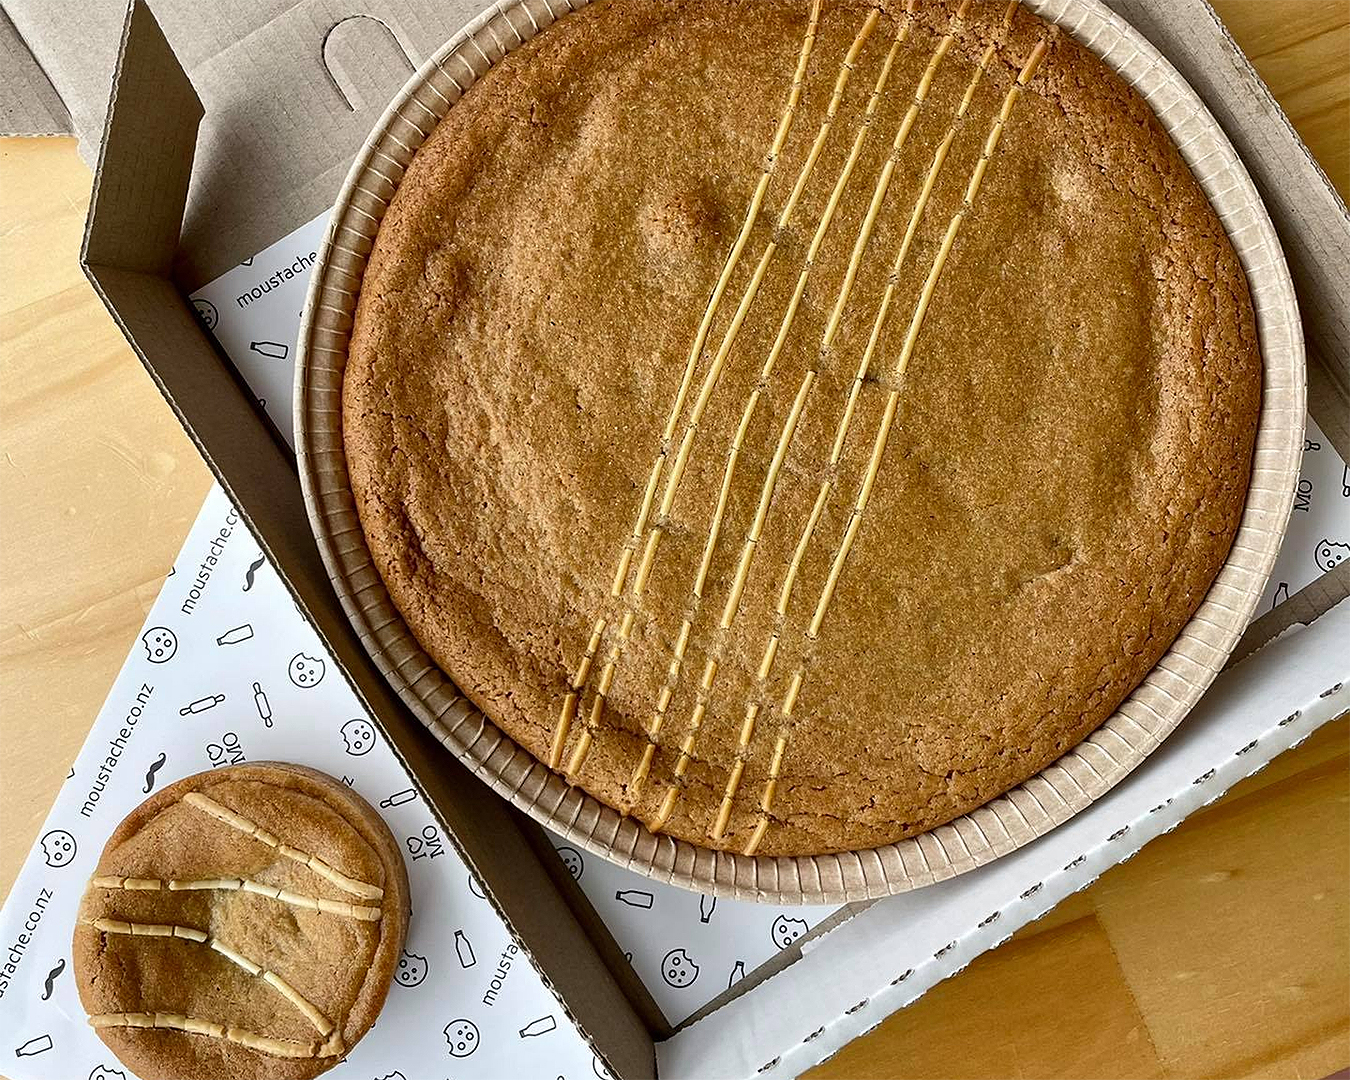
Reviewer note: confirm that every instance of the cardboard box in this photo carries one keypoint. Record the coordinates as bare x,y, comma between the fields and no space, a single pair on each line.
288,97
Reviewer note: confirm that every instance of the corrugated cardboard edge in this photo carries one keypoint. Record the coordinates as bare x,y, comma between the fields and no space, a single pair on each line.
1307,605
140,190
1005,823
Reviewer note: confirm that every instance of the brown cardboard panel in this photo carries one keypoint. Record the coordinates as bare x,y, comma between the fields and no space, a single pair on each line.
139,190
134,212
1329,396
29,104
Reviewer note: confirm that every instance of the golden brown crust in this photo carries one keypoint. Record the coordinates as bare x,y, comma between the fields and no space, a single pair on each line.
1062,481
192,921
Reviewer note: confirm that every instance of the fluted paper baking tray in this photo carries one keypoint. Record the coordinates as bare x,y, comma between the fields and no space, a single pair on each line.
1083,774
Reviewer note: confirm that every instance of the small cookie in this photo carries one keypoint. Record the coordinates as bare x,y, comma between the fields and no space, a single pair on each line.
243,922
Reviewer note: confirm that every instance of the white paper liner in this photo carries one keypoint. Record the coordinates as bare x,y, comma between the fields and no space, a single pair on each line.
1029,810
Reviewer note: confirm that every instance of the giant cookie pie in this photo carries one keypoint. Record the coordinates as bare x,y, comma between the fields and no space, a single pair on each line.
798,423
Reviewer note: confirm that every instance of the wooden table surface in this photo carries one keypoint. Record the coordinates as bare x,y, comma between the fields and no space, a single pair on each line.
1222,949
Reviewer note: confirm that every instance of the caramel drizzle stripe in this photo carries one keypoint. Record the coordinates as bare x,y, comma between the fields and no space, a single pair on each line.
878,324
643,767
888,170
321,1023
710,380
285,896
754,534
991,142
363,889
573,696
855,262
579,679
752,538
710,670
193,1025
587,737
729,338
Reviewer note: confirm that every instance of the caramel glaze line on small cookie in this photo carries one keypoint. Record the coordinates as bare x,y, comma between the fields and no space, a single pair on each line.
312,1013
194,1025
991,142
709,385
363,912
363,889
643,767
769,168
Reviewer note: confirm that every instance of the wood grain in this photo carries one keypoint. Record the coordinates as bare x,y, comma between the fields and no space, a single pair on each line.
1222,949
98,485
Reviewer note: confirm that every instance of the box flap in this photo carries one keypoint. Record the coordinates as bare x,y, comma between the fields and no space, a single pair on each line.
290,89
140,185
1305,606
29,105
74,43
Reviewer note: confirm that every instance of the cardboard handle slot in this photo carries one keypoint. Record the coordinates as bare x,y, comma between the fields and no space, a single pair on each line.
355,56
